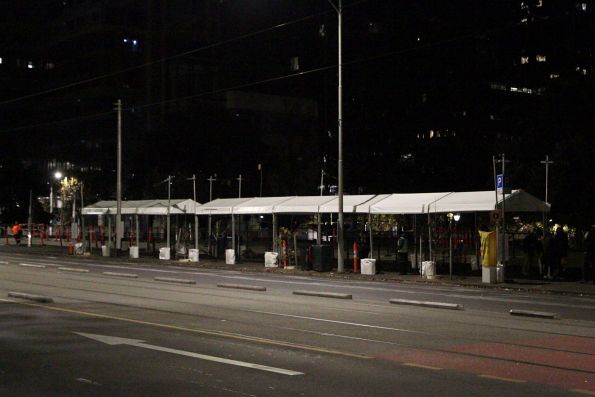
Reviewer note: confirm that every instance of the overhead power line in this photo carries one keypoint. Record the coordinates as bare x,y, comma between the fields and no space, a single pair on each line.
175,56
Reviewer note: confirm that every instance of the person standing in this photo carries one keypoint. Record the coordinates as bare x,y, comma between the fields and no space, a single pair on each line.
531,247
589,261
555,249
17,233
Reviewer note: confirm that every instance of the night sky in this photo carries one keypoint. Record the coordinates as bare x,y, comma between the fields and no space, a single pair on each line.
432,90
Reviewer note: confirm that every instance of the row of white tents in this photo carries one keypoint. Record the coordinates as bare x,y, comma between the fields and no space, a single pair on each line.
397,203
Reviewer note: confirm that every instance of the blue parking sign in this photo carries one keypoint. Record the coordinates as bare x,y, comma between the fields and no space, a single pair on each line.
503,183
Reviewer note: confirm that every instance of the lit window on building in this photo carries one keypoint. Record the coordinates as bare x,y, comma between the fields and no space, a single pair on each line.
497,86
554,76
431,134
539,3
30,65
322,30
0,60
540,58
294,64
524,60
373,28
584,6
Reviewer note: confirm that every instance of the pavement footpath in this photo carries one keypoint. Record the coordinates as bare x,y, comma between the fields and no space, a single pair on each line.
473,281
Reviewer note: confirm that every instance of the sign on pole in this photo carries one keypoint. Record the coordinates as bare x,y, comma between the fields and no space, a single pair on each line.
503,184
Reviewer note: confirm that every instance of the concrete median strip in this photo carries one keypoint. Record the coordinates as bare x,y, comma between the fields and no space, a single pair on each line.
531,313
240,286
73,269
175,280
435,305
127,275
31,297
335,295
32,265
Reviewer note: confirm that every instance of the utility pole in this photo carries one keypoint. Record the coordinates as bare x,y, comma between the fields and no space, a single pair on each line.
497,223
211,180
547,163
30,218
169,178
195,216
119,181
503,161
239,179
340,243
83,218
260,169
321,187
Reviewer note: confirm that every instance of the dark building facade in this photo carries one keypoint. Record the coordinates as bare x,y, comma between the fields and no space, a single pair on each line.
432,91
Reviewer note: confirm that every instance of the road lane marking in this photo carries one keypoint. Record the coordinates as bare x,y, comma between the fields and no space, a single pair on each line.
223,334
115,274
502,378
74,269
112,341
422,366
583,391
32,265
337,322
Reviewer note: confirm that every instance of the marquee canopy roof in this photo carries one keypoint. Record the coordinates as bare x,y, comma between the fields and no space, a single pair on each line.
397,203
142,207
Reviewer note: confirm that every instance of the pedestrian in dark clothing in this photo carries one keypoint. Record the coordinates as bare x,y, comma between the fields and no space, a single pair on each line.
589,261
532,249
555,249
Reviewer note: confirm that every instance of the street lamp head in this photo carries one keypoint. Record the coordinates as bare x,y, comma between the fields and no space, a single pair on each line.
457,217
58,175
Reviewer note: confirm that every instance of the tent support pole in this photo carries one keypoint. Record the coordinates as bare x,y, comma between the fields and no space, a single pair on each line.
137,230
109,231
371,254
415,238
274,232
429,234
233,233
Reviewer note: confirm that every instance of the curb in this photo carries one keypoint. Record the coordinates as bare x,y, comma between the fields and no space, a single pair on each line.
31,297
530,313
73,269
127,275
335,295
175,280
239,286
435,305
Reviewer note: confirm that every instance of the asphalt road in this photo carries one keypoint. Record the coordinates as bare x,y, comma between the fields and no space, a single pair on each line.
127,334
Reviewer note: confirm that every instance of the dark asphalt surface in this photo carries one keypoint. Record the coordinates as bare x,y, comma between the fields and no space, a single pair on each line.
339,347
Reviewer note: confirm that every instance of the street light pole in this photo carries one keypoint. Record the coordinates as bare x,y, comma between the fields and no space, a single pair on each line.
195,216
211,180
340,243
119,180
547,163
260,170
169,177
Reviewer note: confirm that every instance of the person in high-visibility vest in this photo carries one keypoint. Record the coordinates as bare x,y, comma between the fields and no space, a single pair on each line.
17,233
